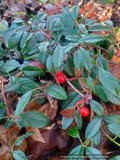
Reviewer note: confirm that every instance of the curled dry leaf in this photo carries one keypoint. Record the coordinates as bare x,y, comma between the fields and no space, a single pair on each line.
37,136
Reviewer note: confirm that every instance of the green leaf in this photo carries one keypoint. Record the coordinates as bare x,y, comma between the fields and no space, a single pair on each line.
40,100
97,108
67,21
72,99
93,153
107,1
95,125
40,36
57,92
58,56
9,66
111,98
27,85
102,63
78,119
73,132
86,59
13,41
17,154
110,53
32,71
43,46
66,122
90,84
76,152
96,138
115,129
22,123
13,86
35,119
112,119
57,26
2,117
70,46
93,38
2,26
42,58
70,66
78,60
99,27
18,142
22,103
109,82
101,93
2,52
8,123
49,63
76,10
1,63
115,158
73,38
2,105
66,32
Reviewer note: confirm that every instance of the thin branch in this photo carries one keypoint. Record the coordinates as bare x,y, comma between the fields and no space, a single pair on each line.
82,95
44,34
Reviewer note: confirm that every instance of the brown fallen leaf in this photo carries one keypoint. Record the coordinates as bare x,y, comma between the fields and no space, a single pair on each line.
37,136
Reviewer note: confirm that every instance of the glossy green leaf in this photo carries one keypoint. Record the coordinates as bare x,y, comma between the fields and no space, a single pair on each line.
22,123
86,59
76,153
109,82
93,38
3,52
110,53
9,66
8,123
95,125
27,85
49,62
17,154
72,99
78,119
78,60
57,92
101,93
66,122
73,132
58,56
31,71
35,119
19,141
22,103
70,66
93,153
2,117
96,138
102,63
13,86
112,119
99,27
115,129
42,58
97,108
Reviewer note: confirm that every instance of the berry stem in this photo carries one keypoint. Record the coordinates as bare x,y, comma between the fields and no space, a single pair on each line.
82,95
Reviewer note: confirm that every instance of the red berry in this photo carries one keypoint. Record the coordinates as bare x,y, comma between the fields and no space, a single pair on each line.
84,111
59,73
61,79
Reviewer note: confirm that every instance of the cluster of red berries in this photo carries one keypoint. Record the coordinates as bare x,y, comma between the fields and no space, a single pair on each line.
61,78
84,111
